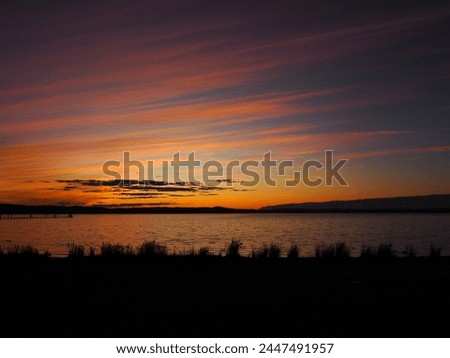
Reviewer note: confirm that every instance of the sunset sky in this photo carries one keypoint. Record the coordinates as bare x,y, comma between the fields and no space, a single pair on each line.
83,81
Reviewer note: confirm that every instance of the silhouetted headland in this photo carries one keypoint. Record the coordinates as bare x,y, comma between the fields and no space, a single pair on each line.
427,203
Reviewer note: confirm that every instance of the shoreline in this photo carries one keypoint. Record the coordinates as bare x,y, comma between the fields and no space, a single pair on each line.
182,296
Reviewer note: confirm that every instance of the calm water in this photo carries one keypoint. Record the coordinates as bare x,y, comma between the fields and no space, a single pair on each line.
185,231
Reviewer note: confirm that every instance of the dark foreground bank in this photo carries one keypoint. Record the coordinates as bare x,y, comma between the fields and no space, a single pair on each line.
221,297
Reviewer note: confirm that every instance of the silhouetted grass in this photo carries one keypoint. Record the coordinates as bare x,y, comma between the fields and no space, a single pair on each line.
92,251
207,292
435,251
75,250
115,250
293,252
368,252
385,251
152,249
266,252
274,251
341,250
185,252
324,251
204,251
410,251
24,251
338,250
28,250
261,253
13,250
234,248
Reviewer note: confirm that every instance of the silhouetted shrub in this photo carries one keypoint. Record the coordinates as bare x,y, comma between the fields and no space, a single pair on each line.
233,249
293,252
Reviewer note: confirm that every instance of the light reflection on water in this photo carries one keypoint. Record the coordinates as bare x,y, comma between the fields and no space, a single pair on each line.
186,231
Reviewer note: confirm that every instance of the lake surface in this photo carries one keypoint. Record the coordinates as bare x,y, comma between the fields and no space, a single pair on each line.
181,232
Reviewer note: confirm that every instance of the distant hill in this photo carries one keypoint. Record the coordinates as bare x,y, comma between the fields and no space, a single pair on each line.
428,203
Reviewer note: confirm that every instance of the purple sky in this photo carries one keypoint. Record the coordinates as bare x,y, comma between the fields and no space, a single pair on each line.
81,82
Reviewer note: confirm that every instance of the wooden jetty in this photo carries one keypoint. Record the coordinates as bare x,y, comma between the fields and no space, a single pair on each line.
34,216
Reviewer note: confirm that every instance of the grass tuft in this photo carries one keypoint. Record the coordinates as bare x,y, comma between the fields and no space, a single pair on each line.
341,250
385,251
115,250
274,251
152,249
261,253
92,251
368,252
338,250
25,250
410,251
435,251
75,250
204,251
234,248
293,252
